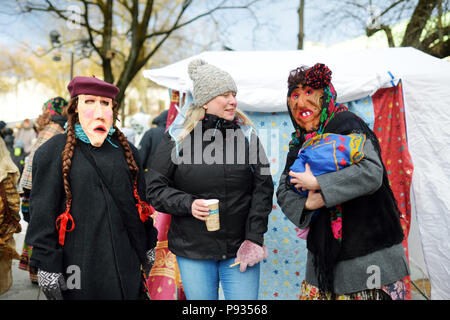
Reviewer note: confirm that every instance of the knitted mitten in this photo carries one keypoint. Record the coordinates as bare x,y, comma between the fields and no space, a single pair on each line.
51,284
150,260
249,254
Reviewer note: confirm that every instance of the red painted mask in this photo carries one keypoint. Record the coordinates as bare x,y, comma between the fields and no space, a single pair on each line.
305,104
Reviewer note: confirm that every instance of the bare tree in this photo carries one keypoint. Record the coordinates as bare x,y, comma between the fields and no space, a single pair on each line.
148,26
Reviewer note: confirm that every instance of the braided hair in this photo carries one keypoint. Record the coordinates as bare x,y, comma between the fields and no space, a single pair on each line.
67,155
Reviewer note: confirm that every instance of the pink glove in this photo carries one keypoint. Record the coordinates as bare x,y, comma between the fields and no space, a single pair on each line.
303,233
250,254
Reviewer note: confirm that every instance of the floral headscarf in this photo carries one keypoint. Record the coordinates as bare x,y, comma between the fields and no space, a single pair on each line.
55,105
317,77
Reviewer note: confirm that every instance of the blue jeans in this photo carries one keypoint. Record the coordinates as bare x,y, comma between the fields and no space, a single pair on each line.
201,279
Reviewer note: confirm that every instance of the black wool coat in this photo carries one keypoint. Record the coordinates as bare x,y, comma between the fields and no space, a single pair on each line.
108,243
151,139
243,186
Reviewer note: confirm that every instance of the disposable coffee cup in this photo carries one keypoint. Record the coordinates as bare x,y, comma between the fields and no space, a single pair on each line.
212,221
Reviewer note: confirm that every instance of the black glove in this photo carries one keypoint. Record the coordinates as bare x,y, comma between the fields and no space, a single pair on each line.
150,257
51,284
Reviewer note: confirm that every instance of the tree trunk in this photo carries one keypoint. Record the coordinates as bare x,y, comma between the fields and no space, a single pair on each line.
106,43
420,16
301,15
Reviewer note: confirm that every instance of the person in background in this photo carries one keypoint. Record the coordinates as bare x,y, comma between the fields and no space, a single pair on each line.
15,148
26,135
9,216
50,123
2,126
151,139
236,174
130,134
89,183
352,215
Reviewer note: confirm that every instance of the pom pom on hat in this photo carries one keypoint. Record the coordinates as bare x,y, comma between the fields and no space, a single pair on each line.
193,66
318,76
208,82
92,86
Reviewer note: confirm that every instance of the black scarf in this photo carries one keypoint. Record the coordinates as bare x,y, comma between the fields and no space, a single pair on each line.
61,120
211,121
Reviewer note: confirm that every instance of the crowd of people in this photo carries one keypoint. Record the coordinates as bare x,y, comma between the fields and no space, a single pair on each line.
89,195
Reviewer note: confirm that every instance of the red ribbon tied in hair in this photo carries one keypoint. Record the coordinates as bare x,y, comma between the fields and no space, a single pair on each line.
318,76
61,223
145,211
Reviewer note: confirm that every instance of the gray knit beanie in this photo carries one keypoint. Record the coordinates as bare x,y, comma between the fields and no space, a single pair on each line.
208,81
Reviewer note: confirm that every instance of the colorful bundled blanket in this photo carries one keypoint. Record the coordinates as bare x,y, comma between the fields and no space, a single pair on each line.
326,153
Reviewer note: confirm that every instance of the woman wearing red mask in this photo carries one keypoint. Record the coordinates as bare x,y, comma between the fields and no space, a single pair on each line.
352,215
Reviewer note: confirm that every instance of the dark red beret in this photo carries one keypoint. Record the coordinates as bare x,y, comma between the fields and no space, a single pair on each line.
92,86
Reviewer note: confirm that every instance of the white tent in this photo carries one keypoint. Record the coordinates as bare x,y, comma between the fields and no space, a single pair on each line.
261,78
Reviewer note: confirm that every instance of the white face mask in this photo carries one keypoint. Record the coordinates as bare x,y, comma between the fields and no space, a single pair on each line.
96,117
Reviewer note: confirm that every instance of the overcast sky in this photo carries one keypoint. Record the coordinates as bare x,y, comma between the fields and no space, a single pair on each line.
277,29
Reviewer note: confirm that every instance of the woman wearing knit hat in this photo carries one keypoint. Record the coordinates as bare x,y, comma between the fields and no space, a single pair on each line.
355,237
203,161
91,233
51,122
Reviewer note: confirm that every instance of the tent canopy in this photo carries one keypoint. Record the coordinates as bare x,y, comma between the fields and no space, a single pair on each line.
261,76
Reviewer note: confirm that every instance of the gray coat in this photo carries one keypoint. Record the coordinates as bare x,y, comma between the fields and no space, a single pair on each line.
337,187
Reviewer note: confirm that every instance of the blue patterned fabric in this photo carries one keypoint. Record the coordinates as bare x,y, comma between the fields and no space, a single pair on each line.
328,152
363,108
283,271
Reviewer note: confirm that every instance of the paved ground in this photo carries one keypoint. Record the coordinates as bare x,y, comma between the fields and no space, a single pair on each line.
23,289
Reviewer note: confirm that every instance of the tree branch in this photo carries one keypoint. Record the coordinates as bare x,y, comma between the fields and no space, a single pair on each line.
440,50
106,42
426,43
176,26
146,17
389,36
371,31
419,18
89,29
59,12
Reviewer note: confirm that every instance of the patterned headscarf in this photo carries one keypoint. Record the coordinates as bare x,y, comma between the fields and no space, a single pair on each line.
317,77
55,105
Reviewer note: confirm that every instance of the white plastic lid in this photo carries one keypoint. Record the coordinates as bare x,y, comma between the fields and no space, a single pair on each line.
211,201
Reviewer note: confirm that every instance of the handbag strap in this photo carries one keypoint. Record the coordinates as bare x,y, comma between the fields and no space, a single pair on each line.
90,158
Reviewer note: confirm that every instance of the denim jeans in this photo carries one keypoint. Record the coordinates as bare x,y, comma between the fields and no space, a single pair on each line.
201,279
